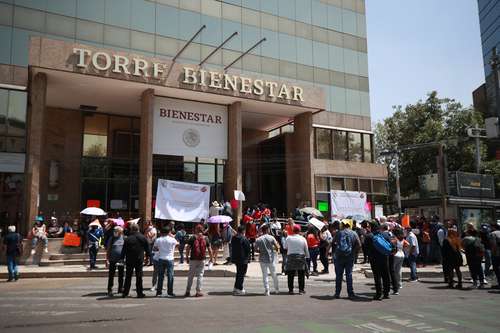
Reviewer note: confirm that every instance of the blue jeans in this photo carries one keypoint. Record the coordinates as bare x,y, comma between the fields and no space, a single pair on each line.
165,266
343,264
313,257
93,250
412,260
12,266
487,262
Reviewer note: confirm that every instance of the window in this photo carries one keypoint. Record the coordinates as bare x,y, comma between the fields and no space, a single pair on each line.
206,173
321,184
337,184
13,121
351,184
340,145
355,150
189,172
95,135
379,186
323,143
365,185
367,148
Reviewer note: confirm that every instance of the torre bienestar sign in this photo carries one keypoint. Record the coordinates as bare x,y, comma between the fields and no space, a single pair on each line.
120,64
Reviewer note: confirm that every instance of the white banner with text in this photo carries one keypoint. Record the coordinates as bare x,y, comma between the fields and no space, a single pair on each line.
348,203
180,201
187,128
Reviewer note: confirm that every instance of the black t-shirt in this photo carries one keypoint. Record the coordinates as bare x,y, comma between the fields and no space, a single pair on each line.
12,241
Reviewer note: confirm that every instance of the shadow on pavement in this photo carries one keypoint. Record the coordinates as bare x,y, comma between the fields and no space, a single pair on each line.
494,291
95,294
230,293
359,298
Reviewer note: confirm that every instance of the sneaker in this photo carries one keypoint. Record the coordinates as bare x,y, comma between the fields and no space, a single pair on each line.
395,293
302,292
46,250
415,280
352,296
276,292
210,266
16,277
110,294
377,297
33,252
237,292
10,280
481,286
485,281
386,297
170,296
267,293
336,296
152,289
199,294
187,294
141,296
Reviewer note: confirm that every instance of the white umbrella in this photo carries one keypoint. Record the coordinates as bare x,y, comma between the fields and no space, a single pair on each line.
317,223
95,211
311,211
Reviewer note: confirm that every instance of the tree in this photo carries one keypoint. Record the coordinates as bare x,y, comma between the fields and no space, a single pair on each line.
433,120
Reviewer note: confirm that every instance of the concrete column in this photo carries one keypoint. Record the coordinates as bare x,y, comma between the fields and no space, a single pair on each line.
35,129
233,175
146,155
304,154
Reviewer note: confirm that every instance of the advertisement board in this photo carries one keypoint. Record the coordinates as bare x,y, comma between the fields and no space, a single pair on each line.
187,128
349,203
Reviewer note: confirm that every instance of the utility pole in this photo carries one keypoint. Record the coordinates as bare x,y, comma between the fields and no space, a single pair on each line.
478,134
398,188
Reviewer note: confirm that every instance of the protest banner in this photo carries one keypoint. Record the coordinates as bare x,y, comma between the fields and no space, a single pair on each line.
180,201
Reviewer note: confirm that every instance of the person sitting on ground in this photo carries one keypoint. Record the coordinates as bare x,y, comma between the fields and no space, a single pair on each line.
297,254
54,230
66,228
196,254
39,233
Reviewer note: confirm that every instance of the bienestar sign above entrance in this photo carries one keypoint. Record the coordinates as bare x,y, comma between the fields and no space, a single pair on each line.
120,64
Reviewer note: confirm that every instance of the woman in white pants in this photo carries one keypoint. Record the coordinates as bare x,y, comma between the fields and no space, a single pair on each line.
399,257
268,248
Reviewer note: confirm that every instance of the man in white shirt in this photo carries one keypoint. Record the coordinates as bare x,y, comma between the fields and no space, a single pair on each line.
165,245
413,252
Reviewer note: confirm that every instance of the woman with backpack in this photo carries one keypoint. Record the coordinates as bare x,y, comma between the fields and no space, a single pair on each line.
452,254
474,252
196,254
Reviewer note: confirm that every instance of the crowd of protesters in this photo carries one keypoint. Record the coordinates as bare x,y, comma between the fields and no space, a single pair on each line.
304,249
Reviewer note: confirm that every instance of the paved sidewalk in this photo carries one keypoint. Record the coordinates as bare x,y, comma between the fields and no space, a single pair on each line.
74,271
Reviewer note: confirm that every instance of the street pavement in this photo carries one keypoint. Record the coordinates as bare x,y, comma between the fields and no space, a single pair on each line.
81,305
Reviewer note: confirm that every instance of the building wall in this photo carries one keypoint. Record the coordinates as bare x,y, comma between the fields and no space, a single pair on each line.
62,144
322,42
489,19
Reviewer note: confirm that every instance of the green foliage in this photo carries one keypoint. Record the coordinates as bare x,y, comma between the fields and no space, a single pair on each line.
433,120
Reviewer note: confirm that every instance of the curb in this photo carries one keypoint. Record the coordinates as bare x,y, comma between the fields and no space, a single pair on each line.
104,273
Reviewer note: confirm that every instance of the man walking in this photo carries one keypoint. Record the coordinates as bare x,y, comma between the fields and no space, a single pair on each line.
165,245
196,254
134,247
267,247
413,252
12,244
114,254
348,244
240,256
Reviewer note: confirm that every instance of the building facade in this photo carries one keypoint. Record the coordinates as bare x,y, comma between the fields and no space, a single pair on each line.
100,99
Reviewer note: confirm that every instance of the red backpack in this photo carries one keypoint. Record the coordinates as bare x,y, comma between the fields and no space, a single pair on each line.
199,248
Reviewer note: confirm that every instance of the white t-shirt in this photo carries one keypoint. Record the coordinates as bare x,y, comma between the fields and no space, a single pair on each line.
166,246
296,244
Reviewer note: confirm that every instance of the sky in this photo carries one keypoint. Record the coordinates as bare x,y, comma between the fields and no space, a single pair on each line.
417,46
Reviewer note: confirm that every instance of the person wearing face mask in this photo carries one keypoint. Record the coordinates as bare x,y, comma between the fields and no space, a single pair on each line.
114,253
